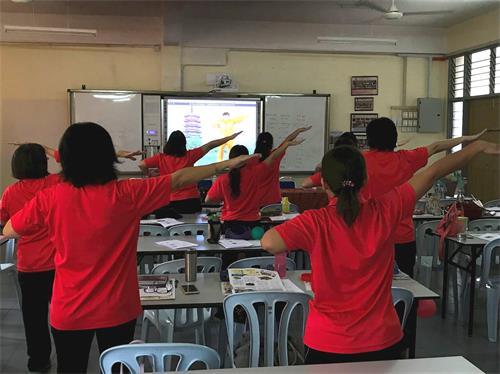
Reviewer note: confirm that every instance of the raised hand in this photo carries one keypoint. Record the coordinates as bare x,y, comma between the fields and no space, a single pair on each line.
297,132
128,154
292,143
230,137
471,138
15,143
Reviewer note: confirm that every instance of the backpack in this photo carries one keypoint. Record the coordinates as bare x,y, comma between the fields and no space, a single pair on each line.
448,226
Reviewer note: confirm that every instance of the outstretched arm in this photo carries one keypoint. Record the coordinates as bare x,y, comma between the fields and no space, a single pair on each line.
444,145
296,133
215,143
280,150
424,180
128,154
191,175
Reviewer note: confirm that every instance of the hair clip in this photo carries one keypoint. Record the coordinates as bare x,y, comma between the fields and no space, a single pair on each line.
348,183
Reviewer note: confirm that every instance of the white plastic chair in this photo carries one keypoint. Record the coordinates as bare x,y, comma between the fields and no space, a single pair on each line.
152,230
485,224
264,262
427,248
492,204
188,229
492,284
8,267
406,297
168,320
159,354
253,301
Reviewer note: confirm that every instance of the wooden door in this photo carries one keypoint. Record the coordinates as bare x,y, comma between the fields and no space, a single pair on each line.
483,172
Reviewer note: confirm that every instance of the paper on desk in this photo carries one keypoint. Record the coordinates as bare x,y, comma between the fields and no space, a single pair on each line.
176,244
486,236
165,222
284,217
234,243
308,286
290,286
254,243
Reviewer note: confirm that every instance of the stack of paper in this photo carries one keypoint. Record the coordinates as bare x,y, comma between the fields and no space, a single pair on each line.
234,243
251,279
176,244
165,222
284,217
487,236
156,287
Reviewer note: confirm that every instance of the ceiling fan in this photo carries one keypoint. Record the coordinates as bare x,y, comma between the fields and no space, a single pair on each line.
393,12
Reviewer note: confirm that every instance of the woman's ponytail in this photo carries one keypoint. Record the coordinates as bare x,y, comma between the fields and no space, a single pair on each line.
348,205
235,174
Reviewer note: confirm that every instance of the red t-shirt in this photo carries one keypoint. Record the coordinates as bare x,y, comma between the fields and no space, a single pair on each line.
387,170
34,252
169,164
95,230
270,183
57,156
316,179
352,310
246,207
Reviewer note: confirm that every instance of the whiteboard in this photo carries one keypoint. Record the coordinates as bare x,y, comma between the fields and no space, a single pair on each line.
284,114
119,113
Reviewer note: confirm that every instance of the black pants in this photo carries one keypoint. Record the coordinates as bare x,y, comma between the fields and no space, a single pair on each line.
36,292
317,357
405,256
73,346
175,208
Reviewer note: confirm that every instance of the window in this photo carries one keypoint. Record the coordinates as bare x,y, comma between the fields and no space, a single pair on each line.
457,113
458,76
497,71
480,72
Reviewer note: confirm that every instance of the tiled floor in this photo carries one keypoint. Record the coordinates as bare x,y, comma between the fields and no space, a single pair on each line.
435,337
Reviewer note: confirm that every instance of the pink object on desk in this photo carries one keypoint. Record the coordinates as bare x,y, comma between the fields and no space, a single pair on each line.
280,264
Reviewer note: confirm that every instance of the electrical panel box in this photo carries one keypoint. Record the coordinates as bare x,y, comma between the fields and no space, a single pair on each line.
430,115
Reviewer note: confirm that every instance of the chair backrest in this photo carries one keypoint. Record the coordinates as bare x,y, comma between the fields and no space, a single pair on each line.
406,297
204,265
188,354
205,184
249,302
9,251
287,184
426,244
485,224
264,262
276,209
492,204
489,250
189,229
152,230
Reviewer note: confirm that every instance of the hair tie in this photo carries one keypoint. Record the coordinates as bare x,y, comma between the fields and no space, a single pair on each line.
347,183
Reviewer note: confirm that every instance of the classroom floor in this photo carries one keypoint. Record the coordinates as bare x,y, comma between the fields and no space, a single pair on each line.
435,337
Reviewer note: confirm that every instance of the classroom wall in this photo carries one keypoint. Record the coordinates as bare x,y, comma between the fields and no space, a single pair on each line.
474,32
34,80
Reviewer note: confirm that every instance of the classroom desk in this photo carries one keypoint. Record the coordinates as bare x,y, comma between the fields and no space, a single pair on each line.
452,364
476,246
211,295
306,198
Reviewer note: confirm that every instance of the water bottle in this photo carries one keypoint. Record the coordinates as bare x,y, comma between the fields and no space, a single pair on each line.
190,266
280,264
285,205
214,228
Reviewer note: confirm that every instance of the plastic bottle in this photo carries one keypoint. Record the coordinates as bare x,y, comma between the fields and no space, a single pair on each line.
280,264
285,205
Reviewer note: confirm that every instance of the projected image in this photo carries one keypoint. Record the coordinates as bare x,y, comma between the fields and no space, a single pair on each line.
204,120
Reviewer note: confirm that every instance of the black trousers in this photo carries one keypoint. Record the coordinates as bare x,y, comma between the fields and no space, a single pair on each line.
36,292
317,357
405,256
175,208
73,346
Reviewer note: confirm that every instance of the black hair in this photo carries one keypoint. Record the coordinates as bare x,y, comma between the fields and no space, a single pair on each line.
264,145
344,171
235,174
176,144
29,161
87,154
347,138
381,134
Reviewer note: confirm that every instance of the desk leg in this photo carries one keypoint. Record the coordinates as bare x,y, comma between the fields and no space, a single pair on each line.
472,288
411,329
445,281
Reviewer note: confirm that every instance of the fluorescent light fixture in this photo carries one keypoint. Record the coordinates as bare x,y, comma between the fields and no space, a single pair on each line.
50,30
349,40
114,97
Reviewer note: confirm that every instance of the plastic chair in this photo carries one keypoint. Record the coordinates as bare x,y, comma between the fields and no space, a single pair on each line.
287,185
249,302
188,354
152,230
8,267
188,229
427,248
275,209
485,224
492,204
205,184
406,297
264,262
492,283
168,320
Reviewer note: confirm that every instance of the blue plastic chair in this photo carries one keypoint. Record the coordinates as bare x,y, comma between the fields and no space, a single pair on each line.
168,320
492,283
264,262
287,184
205,184
249,302
404,296
188,354
188,229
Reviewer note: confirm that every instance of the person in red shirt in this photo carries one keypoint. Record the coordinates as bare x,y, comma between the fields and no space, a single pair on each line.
35,253
347,138
240,191
269,186
175,157
350,243
92,219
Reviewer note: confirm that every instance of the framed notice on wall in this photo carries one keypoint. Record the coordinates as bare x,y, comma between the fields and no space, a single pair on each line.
359,121
363,104
364,85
